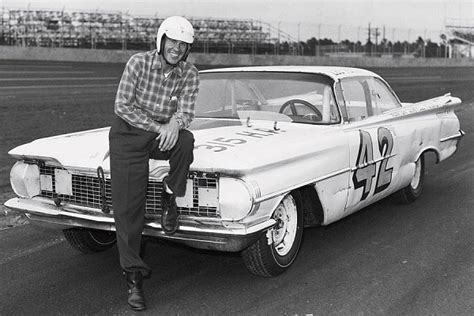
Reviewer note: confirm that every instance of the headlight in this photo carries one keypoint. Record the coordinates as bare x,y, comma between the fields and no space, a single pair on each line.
25,179
235,200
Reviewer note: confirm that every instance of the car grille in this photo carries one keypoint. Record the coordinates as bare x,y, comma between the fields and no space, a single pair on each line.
86,191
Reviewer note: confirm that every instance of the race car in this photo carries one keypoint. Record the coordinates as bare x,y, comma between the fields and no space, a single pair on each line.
277,149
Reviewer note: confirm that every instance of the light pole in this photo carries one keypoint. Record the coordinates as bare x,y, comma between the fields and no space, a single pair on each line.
339,37
393,40
319,40
278,43
409,33
299,53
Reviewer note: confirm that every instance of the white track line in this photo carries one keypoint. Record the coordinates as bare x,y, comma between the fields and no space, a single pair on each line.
61,86
45,72
407,77
35,66
59,78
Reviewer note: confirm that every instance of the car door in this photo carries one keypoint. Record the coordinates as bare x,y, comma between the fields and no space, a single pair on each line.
373,149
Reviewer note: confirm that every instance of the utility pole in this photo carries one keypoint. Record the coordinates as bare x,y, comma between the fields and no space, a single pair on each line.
424,45
339,37
368,42
376,38
383,39
358,39
278,47
299,45
319,40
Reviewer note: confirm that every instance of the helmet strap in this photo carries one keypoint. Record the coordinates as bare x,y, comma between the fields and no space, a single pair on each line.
168,63
162,49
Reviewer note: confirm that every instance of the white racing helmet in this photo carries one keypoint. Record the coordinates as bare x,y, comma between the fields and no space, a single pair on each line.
177,28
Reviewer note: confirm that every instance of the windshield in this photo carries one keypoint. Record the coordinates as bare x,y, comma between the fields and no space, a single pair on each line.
303,98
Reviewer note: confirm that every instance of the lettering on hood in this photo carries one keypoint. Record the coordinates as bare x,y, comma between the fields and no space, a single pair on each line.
222,143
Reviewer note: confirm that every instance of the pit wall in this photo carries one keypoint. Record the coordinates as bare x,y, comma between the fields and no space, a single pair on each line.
118,56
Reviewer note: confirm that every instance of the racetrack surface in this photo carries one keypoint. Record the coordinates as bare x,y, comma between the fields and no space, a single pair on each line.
414,259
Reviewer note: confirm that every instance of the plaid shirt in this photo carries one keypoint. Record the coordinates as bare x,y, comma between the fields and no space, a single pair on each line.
145,96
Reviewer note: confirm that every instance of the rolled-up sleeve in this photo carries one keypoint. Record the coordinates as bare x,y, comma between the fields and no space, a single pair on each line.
125,103
187,98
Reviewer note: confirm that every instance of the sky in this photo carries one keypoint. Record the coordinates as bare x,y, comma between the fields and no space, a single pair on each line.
303,19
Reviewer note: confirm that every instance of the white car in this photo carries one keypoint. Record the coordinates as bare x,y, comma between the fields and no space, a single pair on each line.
277,149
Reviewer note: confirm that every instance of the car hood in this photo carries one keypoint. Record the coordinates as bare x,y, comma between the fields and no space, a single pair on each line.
231,147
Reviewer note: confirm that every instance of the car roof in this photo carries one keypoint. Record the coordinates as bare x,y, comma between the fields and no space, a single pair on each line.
334,72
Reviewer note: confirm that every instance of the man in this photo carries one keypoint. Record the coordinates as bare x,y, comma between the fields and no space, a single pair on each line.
154,106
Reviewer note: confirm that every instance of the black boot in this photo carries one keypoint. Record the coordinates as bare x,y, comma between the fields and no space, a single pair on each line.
169,217
136,297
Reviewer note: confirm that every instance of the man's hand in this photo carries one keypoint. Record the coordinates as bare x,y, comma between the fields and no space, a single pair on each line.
168,135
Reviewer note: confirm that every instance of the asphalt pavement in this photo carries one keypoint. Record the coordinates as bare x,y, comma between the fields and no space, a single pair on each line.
388,259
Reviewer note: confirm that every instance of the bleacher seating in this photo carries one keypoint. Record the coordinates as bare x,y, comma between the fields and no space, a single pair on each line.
117,30
459,34
464,35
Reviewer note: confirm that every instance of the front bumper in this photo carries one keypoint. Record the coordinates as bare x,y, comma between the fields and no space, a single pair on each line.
198,233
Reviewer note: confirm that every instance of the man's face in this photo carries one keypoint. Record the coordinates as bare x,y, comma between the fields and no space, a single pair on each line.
174,50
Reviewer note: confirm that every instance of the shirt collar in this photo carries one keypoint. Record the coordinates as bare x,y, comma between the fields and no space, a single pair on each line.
156,63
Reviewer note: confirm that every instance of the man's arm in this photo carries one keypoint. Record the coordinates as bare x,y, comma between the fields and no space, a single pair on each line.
184,113
125,99
185,107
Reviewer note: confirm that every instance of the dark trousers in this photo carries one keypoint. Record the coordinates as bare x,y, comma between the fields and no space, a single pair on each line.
130,150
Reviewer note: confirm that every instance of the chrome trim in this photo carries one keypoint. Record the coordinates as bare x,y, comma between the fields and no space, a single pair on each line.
221,230
319,179
363,165
229,243
293,187
201,226
50,209
90,172
458,135
73,208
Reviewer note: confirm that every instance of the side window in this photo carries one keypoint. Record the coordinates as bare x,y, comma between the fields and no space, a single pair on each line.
329,108
357,98
382,97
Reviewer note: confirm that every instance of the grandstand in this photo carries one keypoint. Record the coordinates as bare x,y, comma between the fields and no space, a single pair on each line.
46,28
459,35
118,30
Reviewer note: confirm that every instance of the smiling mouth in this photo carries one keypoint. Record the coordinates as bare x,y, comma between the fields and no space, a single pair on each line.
174,55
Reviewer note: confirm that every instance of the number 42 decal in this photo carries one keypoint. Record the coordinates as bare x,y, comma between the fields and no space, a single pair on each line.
366,166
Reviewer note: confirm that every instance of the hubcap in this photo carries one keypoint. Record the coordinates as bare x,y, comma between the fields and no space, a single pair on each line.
284,233
102,238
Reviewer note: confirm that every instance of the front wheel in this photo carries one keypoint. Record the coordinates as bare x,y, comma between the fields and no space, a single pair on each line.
276,250
413,190
89,240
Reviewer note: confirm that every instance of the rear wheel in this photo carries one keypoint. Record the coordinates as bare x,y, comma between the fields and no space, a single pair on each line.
413,190
276,250
89,240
